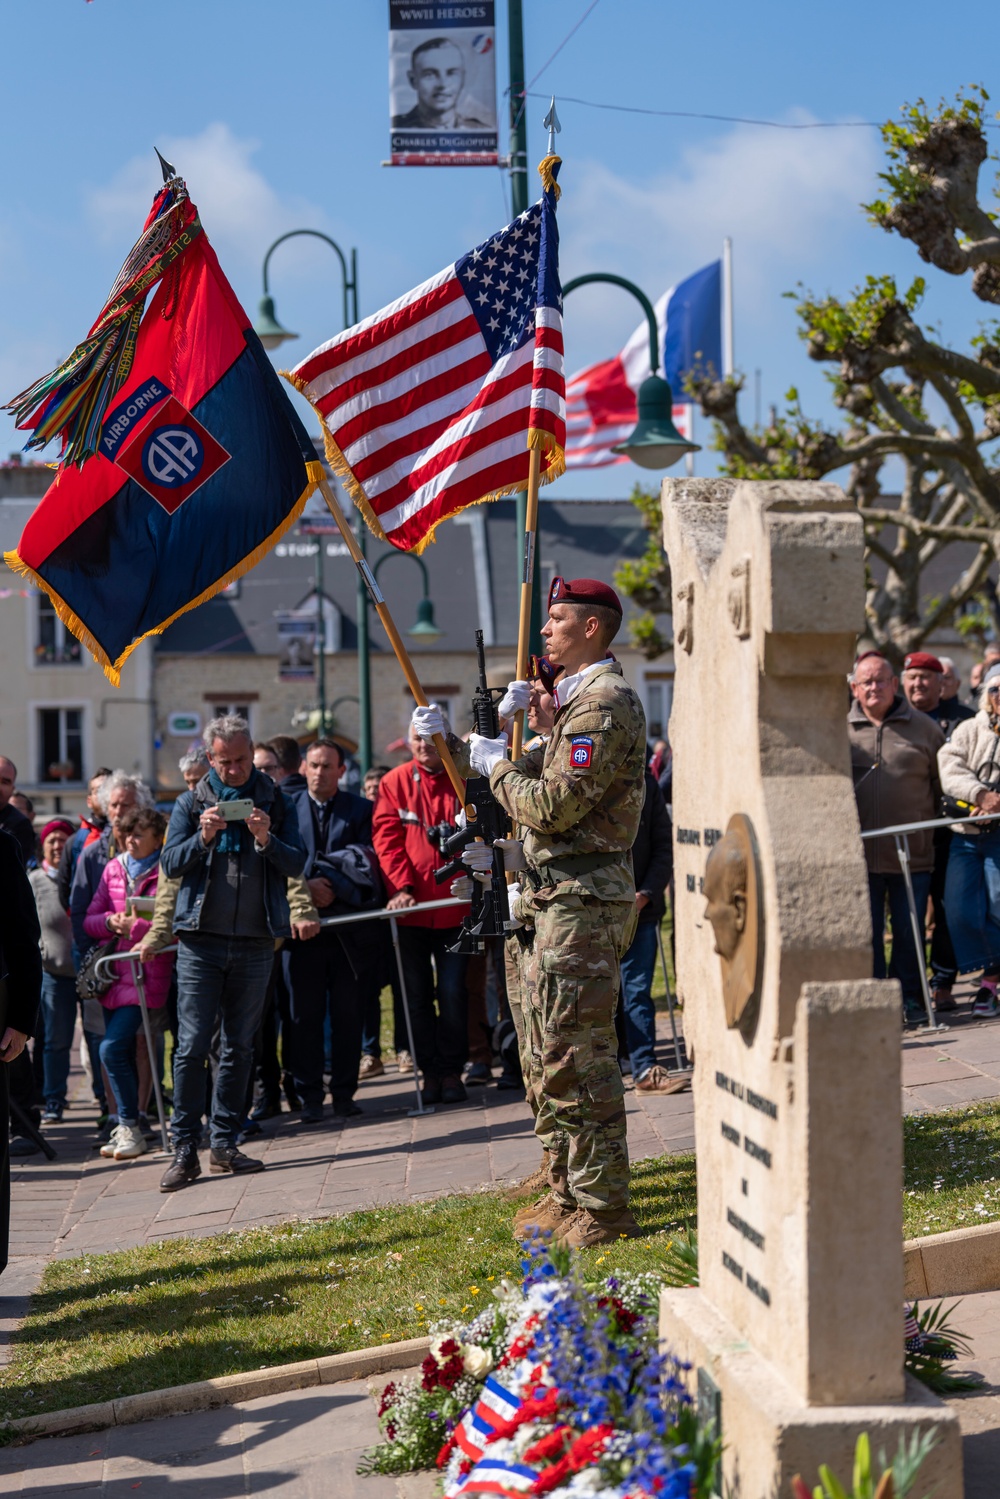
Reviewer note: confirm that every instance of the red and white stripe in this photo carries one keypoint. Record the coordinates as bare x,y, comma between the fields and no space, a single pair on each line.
426,422
601,400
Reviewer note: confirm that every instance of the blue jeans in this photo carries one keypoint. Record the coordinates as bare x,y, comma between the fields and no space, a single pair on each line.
905,962
217,977
637,999
972,899
59,1004
121,1027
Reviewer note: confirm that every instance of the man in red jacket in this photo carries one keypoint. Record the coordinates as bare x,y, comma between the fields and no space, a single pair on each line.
413,799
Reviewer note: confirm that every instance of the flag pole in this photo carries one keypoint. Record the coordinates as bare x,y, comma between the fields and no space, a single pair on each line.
382,610
527,578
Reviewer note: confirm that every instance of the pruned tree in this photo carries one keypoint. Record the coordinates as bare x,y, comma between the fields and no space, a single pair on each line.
903,395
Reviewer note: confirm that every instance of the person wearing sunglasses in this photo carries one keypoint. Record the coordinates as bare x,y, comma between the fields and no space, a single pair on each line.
578,799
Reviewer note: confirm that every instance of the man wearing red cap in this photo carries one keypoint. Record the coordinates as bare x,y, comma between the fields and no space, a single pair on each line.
579,799
923,683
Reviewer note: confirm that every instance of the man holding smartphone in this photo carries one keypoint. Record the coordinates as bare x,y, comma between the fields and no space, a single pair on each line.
233,841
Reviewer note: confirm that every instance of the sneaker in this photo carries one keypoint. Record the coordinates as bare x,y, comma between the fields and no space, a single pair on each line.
111,1143
183,1170
371,1066
129,1142
658,1080
985,1002
549,1215
21,1145
478,1075
914,1016
943,999
404,1061
52,1113
586,1229
453,1089
226,1158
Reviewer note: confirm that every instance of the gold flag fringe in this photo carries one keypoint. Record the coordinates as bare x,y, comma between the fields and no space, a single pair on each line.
76,626
546,170
536,439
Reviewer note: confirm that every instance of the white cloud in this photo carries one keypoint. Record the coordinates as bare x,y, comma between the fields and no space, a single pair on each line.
241,211
788,198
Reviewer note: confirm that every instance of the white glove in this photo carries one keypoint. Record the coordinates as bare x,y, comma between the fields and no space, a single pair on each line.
514,700
461,888
485,753
478,857
513,853
428,721
513,895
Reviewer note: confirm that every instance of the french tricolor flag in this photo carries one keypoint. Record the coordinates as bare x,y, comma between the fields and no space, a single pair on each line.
601,400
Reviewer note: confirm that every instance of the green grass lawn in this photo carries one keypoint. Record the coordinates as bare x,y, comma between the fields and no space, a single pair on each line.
187,1309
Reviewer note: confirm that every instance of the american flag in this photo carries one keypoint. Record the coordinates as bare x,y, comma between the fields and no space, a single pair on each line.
431,404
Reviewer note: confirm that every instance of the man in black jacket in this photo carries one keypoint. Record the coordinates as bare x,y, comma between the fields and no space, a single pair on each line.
333,969
652,864
13,821
21,976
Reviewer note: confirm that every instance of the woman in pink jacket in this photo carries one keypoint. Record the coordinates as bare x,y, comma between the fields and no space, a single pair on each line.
131,874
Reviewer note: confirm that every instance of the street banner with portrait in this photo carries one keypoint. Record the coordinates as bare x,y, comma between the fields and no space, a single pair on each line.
296,645
442,83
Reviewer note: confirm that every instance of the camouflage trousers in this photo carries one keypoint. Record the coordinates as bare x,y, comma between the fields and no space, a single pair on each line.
516,955
569,992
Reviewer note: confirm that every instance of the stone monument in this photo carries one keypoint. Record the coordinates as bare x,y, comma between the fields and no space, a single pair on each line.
795,1334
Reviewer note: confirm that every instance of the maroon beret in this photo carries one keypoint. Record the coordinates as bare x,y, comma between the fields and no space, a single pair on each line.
57,825
541,669
865,655
583,591
922,661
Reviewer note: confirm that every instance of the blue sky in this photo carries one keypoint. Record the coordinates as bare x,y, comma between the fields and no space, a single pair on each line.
277,115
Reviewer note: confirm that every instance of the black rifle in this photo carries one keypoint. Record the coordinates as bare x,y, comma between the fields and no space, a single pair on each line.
486,819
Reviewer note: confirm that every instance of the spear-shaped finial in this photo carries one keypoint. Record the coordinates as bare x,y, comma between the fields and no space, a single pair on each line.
168,171
552,125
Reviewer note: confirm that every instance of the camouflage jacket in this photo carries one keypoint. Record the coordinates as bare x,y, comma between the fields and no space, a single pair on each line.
581,792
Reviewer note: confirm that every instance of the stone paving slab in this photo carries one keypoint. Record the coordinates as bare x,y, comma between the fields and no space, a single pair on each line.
304,1444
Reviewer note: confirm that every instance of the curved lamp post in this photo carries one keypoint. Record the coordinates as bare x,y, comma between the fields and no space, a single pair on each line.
654,441
272,335
424,628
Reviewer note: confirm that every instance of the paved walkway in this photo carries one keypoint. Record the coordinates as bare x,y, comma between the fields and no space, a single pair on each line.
304,1444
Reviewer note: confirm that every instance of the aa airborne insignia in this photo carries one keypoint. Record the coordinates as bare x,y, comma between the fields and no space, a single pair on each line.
171,454
581,751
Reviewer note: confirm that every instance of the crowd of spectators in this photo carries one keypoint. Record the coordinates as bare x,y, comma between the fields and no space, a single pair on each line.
920,755
230,909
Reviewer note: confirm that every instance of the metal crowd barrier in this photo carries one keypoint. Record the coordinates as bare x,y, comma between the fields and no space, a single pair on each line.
899,832
330,921
140,989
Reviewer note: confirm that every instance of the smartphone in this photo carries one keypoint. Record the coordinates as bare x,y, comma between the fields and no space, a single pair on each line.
237,811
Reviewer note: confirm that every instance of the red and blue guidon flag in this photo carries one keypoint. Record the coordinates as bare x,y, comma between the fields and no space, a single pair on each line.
183,460
433,403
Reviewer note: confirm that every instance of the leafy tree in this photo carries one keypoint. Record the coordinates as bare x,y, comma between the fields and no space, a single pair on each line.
902,394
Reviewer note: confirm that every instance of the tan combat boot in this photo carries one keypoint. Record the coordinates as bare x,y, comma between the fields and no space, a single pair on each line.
548,1216
587,1229
536,1182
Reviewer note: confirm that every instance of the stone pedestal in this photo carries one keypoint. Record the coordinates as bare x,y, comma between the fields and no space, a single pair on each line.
797,1322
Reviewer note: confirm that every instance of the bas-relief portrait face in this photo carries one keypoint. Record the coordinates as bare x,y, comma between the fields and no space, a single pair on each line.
732,890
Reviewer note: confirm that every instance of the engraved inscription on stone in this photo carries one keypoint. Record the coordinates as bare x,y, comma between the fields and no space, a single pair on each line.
757,1151
733,1266
733,1135
751,1234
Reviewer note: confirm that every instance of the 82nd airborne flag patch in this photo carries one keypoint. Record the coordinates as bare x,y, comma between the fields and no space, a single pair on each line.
581,751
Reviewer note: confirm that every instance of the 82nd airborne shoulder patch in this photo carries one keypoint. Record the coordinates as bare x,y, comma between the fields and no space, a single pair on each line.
581,751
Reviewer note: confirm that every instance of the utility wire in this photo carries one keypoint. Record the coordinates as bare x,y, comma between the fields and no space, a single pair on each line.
687,114
572,32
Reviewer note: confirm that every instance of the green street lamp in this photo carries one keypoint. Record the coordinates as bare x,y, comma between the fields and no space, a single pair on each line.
424,629
654,441
272,335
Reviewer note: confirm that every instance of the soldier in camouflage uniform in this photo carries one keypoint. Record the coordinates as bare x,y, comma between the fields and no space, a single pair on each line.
579,798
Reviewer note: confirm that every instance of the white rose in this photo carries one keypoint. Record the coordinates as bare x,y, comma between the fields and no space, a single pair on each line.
477,1362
